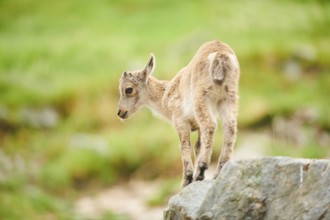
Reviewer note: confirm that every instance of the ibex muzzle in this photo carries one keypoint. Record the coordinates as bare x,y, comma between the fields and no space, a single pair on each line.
122,114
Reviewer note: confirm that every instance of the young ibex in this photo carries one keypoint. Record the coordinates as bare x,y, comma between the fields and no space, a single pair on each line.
203,90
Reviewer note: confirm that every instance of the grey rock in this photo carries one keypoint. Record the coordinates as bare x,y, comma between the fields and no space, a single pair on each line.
90,142
292,70
278,188
39,118
186,196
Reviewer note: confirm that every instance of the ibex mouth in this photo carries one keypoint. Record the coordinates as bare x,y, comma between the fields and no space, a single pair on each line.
122,114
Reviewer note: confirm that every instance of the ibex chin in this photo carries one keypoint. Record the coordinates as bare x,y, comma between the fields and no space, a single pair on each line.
201,92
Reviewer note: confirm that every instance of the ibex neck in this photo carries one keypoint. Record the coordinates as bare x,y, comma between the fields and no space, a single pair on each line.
155,92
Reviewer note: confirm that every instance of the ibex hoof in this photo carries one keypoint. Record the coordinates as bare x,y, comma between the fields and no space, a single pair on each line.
199,175
187,178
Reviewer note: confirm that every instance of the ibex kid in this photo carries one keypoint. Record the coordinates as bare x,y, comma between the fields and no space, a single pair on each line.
201,92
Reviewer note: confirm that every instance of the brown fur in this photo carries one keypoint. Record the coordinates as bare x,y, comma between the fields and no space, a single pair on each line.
201,92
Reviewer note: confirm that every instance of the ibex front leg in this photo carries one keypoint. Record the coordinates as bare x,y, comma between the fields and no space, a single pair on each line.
184,136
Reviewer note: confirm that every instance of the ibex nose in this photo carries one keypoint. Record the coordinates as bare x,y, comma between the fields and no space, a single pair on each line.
122,114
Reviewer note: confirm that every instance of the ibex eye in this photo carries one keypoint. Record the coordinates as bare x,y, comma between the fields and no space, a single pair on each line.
129,90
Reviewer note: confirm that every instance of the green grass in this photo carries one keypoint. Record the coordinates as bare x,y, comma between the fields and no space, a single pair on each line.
68,55
49,52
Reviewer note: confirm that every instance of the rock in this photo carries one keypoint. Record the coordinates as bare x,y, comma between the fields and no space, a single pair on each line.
46,117
269,188
90,142
292,70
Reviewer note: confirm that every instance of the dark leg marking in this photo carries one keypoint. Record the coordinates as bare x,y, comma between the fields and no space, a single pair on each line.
197,147
202,167
187,178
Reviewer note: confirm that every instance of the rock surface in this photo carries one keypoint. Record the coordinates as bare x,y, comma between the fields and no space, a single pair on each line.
270,188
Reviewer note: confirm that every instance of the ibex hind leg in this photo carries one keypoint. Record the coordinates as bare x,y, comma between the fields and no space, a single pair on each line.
207,125
229,128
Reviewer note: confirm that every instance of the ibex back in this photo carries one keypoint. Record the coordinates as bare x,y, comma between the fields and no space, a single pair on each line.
201,92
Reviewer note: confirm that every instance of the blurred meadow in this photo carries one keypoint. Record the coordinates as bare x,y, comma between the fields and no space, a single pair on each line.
60,63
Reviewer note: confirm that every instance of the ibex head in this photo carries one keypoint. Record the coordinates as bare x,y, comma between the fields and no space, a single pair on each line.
132,88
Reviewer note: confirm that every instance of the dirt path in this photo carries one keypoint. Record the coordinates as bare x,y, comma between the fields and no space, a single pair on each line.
130,198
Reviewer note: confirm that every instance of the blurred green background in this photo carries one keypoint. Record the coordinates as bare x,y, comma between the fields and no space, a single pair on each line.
60,63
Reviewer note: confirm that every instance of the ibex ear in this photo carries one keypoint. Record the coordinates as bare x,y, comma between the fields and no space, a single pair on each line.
149,67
